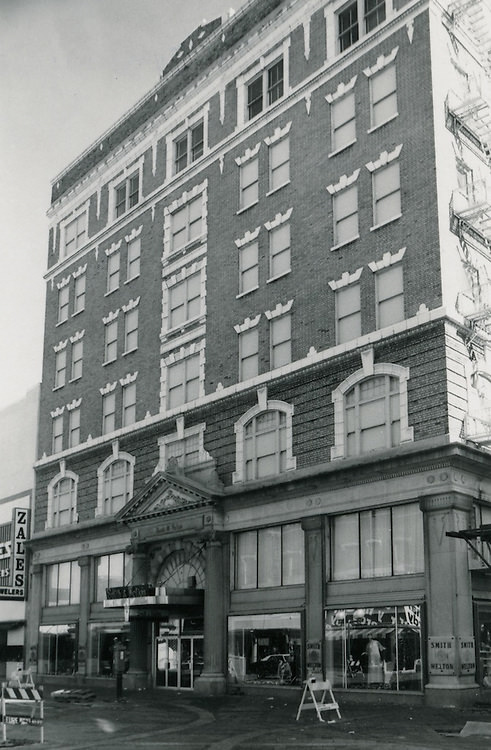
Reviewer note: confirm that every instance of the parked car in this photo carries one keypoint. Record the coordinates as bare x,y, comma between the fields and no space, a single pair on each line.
277,666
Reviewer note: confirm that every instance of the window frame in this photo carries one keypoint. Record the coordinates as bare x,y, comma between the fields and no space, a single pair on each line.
248,266
358,25
269,91
110,344
60,368
73,584
126,196
274,169
76,359
185,382
189,223
128,404
274,254
188,302
245,188
57,433
108,416
74,434
372,81
133,260
355,313
391,296
54,510
131,318
352,217
280,564
79,295
81,235
245,357
337,104
378,196
274,324
105,500
113,271
63,304
188,156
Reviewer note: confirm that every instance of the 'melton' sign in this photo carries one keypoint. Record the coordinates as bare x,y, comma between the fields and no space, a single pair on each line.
13,574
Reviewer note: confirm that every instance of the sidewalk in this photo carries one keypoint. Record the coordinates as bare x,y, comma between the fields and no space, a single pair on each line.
165,719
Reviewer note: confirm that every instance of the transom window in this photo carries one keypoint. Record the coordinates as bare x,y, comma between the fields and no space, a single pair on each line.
372,414
390,296
249,183
248,267
185,300
117,486
248,354
386,194
279,164
183,381
383,96
265,445
127,194
189,147
187,224
279,250
63,584
75,233
377,542
348,313
63,505
79,293
265,89
272,556
357,19
343,122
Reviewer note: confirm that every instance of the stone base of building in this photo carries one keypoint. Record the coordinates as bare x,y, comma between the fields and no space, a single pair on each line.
211,684
451,696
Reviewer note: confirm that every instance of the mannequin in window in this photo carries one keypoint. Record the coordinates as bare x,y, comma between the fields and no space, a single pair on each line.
375,660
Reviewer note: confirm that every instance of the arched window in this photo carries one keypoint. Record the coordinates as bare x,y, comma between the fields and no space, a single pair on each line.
264,441
115,482
62,499
370,411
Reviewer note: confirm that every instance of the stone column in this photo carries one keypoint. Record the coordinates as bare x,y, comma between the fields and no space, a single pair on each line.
449,599
83,619
314,593
33,616
212,680
139,672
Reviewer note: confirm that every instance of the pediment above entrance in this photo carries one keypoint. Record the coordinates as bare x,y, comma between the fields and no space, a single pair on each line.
165,494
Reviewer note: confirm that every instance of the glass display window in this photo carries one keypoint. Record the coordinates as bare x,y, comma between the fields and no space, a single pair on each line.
266,649
58,647
102,637
375,648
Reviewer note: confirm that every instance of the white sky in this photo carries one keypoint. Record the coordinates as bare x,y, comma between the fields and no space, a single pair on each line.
68,70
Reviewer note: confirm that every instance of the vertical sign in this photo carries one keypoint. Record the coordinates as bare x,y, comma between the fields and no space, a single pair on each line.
467,651
18,575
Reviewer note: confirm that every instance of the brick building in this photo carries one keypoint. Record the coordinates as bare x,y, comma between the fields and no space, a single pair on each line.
265,386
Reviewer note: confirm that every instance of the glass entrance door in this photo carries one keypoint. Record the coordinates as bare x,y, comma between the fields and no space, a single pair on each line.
179,660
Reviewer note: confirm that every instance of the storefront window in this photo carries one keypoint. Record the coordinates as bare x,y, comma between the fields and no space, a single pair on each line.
265,649
58,649
102,637
375,648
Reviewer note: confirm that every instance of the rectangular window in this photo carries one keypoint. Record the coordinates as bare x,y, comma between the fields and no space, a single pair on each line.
113,264
108,413
110,341
378,542
187,224
390,296
248,267
183,381
383,96
74,428
63,584
348,32
281,341
279,250
345,215
111,571
127,194
186,451
57,434
77,360
185,300
348,313
279,164
249,183
189,147
79,294
248,354
374,14
129,404
75,234
343,122
386,194
63,303
265,89
60,368
133,259
357,19
131,330
273,556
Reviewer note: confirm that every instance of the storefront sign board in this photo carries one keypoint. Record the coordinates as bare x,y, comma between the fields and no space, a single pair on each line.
467,651
441,654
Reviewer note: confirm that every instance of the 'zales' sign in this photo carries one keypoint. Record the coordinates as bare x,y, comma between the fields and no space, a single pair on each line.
16,547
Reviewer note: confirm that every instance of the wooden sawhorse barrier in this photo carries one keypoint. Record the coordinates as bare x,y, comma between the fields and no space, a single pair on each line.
319,704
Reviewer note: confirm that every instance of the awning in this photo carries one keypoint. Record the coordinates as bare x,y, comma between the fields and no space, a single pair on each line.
164,596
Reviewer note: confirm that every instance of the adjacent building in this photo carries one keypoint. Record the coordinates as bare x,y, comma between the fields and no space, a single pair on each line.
18,441
266,384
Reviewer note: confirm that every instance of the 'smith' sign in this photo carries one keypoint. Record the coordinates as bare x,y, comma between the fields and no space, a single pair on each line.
14,557
441,654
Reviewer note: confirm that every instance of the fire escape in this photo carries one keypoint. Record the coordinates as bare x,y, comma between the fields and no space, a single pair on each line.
478,541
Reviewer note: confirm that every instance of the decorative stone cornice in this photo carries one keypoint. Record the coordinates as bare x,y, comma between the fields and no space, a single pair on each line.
447,501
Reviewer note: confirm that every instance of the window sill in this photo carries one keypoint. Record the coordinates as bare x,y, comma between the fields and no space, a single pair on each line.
275,190
346,242
58,387
111,291
384,223
109,361
381,124
341,149
77,312
74,380
278,276
248,291
185,248
60,322
246,208
132,279
184,326
130,351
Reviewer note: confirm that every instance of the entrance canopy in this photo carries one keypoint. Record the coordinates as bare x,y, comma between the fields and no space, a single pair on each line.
478,540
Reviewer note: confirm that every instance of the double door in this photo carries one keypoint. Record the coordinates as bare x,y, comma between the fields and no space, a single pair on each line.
179,660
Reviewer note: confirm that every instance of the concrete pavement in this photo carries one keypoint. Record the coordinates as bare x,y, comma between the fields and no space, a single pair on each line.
183,721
